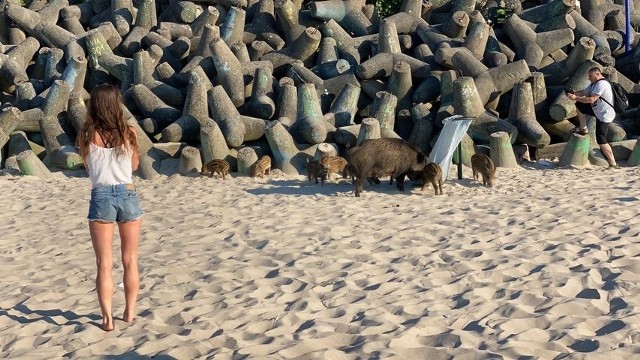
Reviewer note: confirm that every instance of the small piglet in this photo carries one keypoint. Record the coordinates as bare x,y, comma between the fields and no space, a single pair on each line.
482,164
522,153
218,166
315,170
334,165
432,173
261,167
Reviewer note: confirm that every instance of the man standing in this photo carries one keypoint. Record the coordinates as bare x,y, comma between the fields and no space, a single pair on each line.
590,102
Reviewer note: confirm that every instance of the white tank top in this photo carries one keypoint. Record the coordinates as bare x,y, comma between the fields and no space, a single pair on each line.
106,168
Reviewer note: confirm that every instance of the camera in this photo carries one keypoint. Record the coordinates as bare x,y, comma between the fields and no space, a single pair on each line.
568,90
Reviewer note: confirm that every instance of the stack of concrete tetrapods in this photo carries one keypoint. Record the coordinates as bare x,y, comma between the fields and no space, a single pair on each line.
242,78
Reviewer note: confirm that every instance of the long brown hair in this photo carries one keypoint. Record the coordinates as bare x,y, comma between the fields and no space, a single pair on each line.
105,116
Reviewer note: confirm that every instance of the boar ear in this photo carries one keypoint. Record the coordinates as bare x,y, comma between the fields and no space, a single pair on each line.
421,157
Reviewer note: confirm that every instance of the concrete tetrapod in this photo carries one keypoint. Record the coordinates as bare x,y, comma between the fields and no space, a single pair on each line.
260,104
345,105
18,143
369,129
383,110
423,127
30,164
158,114
14,69
247,156
501,150
532,46
288,100
347,13
602,52
634,157
558,72
212,142
187,127
190,161
310,125
9,120
283,148
262,27
61,151
522,116
467,102
76,111
549,10
229,70
576,153
400,85
227,116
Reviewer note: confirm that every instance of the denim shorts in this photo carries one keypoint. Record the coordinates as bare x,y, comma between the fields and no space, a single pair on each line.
114,203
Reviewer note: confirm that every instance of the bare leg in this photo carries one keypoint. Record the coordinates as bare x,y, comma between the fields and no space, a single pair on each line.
129,239
582,118
102,237
608,153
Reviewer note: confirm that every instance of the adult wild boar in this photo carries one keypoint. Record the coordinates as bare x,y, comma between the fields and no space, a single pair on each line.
382,157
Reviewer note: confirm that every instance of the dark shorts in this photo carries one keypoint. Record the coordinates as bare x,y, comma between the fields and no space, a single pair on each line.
586,109
114,203
602,128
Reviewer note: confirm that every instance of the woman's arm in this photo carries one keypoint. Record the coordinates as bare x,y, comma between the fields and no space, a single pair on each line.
135,158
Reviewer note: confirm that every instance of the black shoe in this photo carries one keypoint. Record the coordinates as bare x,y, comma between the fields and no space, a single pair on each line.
614,167
580,130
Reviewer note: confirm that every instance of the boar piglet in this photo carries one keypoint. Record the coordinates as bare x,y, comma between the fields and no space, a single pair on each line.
334,165
261,167
215,166
432,173
315,170
482,164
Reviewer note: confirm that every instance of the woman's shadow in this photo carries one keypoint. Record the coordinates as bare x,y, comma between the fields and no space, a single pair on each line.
48,316
27,316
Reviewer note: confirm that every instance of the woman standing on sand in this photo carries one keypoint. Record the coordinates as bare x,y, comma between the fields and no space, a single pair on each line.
109,150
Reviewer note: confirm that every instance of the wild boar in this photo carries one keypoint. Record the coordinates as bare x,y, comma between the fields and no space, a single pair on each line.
382,157
315,170
218,166
432,173
522,153
334,165
482,164
261,167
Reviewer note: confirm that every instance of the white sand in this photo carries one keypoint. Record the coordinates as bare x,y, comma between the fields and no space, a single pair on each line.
544,264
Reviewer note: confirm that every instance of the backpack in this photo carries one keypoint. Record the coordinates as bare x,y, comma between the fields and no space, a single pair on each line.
620,100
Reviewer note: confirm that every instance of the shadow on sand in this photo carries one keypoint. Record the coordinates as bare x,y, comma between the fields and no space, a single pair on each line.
297,187
48,316
343,187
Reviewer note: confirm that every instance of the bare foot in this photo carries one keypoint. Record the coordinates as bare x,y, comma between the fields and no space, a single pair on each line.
107,324
128,316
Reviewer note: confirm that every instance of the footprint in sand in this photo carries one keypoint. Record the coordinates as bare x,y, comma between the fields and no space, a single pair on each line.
585,345
611,327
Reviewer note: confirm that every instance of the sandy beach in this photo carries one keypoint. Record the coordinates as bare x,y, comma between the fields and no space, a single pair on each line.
542,266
